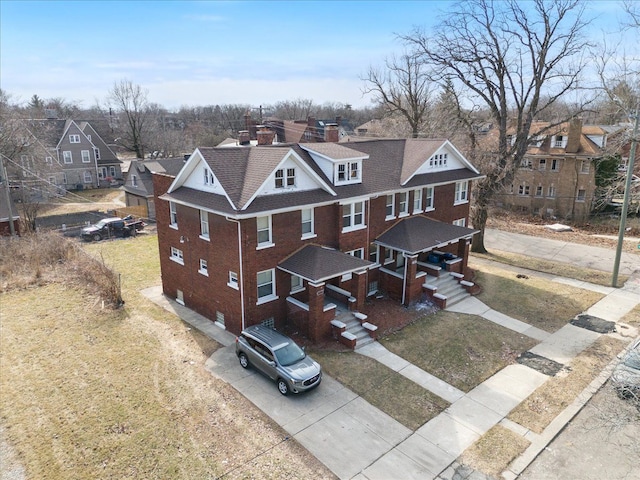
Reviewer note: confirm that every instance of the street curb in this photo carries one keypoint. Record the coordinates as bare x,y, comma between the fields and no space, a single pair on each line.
541,441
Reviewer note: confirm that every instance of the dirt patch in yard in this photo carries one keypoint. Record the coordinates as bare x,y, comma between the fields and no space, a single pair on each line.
494,451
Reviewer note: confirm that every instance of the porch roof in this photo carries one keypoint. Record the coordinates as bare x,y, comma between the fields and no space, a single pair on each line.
420,234
318,264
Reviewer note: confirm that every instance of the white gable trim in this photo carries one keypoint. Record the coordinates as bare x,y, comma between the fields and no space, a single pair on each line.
187,170
454,151
299,162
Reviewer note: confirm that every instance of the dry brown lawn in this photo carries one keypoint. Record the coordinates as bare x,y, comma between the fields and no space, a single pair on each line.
533,300
87,392
543,405
102,199
494,451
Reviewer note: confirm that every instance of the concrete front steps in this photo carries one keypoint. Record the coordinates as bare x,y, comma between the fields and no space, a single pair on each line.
354,326
448,286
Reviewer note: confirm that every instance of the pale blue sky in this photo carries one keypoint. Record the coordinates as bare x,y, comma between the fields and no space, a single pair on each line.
216,52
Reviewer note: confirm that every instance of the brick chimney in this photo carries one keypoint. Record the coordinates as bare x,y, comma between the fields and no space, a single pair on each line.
575,132
243,137
331,133
265,135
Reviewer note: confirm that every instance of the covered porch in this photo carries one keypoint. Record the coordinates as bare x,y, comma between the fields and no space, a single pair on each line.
418,247
324,282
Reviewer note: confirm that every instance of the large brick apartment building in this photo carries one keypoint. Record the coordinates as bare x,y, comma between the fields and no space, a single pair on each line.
278,234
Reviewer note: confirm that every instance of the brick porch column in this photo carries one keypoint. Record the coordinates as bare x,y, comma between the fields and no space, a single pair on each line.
316,309
463,252
410,279
360,289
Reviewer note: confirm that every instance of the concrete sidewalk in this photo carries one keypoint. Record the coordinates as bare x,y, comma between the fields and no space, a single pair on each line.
596,258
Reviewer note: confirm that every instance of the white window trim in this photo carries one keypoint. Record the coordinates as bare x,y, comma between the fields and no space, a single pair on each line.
312,233
464,184
272,296
201,270
173,212
388,256
230,282
460,222
377,250
429,208
393,207
348,180
64,157
404,213
87,175
74,138
88,157
204,221
354,227
352,253
300,288
178,258
417,194
269,243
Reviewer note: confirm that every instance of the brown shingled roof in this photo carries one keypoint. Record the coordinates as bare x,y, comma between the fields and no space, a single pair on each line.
317,264
419,234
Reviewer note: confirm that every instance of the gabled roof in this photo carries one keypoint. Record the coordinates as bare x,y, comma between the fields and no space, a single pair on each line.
318,264
419,234
242,171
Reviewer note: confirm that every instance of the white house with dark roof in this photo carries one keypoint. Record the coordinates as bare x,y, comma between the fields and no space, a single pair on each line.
298,235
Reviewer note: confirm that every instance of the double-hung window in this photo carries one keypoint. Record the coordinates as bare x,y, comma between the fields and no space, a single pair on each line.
74,138
403,204
428,204
266,285
462,192
176,255
307,223
67,157
347,172
96,153
173,215
264,231
88,178
417,201
352,216
204,224
285,177
390,211
203,267
86,156
374,252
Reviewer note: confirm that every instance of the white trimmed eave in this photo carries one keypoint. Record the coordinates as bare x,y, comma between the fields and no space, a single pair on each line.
302,164
456,152
64,134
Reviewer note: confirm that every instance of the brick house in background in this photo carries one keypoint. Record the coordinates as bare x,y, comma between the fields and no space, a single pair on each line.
557,176
294,235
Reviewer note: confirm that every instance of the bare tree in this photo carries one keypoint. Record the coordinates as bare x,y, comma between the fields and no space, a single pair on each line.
515,58
131,101
299,109
404,88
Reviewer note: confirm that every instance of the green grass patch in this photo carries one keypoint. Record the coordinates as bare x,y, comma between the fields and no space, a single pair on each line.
395,395
463,350
537,301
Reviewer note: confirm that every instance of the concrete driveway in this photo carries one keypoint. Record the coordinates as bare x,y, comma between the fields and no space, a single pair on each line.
343,431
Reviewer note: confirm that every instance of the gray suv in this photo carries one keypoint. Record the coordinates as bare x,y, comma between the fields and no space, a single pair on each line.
279,358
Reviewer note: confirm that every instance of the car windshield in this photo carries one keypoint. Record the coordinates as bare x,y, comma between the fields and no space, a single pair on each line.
101,223
289,354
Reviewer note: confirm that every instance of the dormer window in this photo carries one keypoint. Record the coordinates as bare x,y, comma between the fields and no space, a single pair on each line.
559,143
348,172
285,177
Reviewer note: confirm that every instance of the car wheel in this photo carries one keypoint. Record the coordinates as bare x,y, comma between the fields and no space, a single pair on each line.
97,237
283,387
244,361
